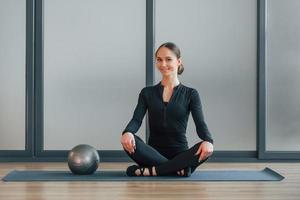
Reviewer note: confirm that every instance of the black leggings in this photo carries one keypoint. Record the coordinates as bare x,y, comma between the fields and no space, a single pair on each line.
146,156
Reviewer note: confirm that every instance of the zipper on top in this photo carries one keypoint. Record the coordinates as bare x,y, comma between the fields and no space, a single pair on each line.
166,104
165,114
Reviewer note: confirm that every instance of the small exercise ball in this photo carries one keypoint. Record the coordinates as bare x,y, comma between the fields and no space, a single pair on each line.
83,159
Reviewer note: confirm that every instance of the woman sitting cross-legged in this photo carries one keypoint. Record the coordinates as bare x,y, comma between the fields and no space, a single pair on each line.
168,104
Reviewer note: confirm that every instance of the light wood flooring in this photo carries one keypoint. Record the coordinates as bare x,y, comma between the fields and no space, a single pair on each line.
287,189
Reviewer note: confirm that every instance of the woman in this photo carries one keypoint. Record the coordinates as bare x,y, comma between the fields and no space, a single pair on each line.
169,104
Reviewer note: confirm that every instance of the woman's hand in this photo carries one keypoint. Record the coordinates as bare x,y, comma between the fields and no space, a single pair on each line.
128,142
205,149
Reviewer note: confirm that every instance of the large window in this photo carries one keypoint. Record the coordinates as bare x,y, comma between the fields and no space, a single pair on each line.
94,69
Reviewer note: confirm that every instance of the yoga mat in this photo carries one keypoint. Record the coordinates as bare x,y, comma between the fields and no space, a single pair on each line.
266,174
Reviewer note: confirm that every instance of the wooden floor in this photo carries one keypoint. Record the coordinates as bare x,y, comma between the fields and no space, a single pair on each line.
289,188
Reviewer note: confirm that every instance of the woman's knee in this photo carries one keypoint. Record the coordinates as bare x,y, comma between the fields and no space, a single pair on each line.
197,145
127,152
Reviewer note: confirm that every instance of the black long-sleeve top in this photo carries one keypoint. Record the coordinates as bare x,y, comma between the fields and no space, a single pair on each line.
168,121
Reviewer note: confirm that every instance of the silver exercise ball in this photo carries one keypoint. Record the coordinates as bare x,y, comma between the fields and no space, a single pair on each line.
83,159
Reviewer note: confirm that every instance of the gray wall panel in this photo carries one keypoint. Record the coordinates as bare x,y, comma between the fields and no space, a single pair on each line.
283,75
12,74
94,69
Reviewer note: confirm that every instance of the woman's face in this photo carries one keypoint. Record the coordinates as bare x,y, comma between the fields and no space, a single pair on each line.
167,62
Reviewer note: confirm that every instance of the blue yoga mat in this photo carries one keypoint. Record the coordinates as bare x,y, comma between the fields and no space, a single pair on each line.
266,174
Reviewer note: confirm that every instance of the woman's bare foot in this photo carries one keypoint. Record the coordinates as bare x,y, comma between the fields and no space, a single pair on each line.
146,172
181,172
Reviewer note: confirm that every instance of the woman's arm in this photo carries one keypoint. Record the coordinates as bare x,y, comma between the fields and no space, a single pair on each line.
196,110
138,115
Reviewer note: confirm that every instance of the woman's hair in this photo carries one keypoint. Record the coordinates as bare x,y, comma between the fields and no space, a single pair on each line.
174,48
